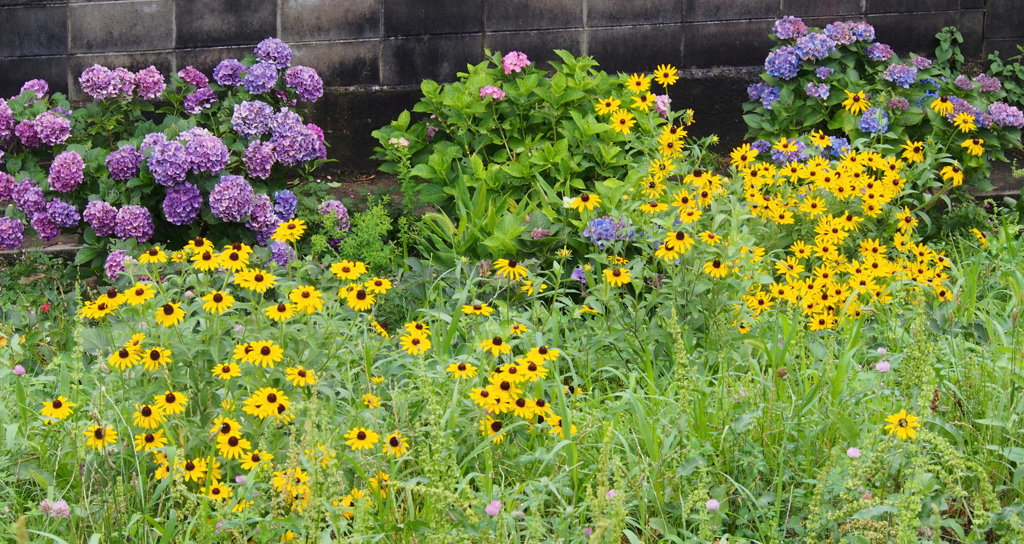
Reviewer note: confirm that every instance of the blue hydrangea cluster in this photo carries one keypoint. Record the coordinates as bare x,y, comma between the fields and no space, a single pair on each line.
790,27
150,83
874,121
260,78
840,32
274,52
262,219
306,82
879,52
799,154
12,233
251,119
64,215
133,222
195,102
817,90
229,73
762,146
901,74
101,216
839,146
766,93
338,209
814,46
53,129
862,31
231,199
259,159
67,172
1006,115
604,230
182,204
207,153
922,63
783,63
123,164
285,204
169,163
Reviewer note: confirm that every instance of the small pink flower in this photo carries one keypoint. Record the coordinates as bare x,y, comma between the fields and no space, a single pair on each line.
514,62
45,307
611,494
853,453
882,350
19,370
493,92
883,366
661,103
493,508
240,479
867,496
712,504
587,531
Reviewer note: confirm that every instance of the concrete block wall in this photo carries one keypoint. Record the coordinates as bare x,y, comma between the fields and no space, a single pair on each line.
391,45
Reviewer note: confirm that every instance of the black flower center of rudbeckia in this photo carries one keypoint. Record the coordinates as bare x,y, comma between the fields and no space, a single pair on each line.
124,353
265,350
346,269
281,308
540,419
716,263
255,458
146,411
280,409
215,491
521,403
461,367
541,403
360,295
168,309
153,252
199,241
248,349
956,169
484,394
505,386
496,341
478,307
258,278
571,388
394,442
616,273
271,397
233,441
225,369
584,197
291,226
513,370
415,341
543,350
218,298
190,466
102,306
361,435
111,293
532,367
170,398
301,373
512,263
154,355
57,404
207,256
149,438
495,426
99,433
306,294
139,292
976,141
943,100
856,98
234,256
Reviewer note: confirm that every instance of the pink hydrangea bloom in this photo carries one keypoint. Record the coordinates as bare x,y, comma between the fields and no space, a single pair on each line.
492,92
514,62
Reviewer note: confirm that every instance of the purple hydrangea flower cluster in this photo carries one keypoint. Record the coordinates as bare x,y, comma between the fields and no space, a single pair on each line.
294,142
764,92
862,31
201,99
790,27
193,77
285,204
604,230
814,46
336,208
306,82
819,90
229,73
101,216
874,120
281,253
67,172
7,185
231,199
45,228
38,86
12,233
260,78
901,74
783,63
922,63
962,106
151,140
988,83
124,163
192,133
125,82
117,263
150,83
782,157
207,154
762,146
879,52
52,129
1006,115
899,103
840,32
134,222
963,82
823,72
27,134
29,197
99,82
262,220
7,121
251,119
55,509
274,52
169,163
259,159
182,204
64,215
514,61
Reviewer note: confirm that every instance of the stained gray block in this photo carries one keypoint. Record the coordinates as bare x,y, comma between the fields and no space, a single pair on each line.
1005,19
420,17
163,61
342,63
735,43
323,20
972,28
635,48
912,33
34,30
16,71
203,23
206,59
533,15
407,61
1006,47
539,45
730,10
122,26
899,6
801,8
635,12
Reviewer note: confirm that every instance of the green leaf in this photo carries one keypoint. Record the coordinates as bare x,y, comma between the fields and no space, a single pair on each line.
86,254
